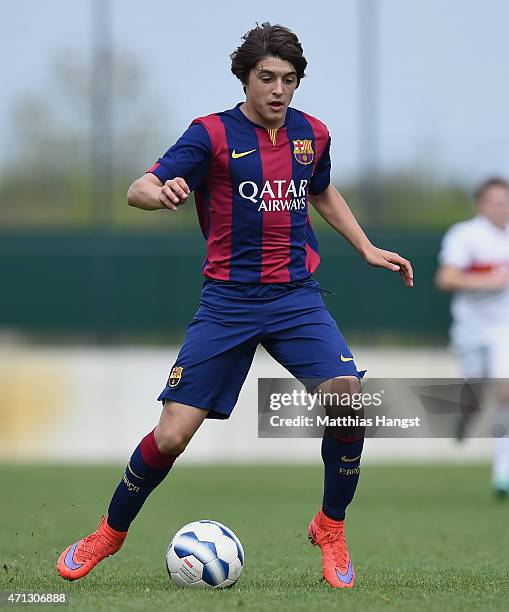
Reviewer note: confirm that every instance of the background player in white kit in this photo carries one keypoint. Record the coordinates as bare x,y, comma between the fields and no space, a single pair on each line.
474,264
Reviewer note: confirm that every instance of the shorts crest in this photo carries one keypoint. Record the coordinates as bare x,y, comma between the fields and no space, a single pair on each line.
175,376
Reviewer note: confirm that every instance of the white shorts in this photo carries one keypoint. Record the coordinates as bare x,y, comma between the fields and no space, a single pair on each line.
489,359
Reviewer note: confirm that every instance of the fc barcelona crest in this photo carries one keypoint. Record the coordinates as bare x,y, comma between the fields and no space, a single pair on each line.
175,376
303,151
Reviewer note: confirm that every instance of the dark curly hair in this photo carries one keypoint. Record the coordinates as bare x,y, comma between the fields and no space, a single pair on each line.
267,40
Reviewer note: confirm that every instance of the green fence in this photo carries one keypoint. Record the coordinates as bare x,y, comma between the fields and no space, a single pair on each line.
144,284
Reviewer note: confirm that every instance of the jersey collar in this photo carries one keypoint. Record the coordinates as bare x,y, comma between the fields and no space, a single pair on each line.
484,220
236,111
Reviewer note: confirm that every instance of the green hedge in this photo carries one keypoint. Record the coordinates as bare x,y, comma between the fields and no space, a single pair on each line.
139,284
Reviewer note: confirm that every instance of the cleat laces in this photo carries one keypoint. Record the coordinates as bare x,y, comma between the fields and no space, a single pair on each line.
333,546
94,542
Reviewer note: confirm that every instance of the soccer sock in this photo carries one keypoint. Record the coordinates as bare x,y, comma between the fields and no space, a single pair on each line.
501,460
146,469
342,467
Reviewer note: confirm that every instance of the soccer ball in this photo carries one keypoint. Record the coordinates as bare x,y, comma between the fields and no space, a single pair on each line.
205,554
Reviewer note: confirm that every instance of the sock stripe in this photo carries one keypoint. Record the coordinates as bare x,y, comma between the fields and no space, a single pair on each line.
150,469
152,456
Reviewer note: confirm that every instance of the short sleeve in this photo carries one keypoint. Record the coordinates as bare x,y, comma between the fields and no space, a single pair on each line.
455,249
189,158
321,176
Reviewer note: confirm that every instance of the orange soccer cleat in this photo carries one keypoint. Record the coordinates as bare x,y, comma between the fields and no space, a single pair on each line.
77,560
329,535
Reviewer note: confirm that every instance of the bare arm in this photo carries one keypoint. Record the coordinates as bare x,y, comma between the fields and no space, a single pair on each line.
333,208
148,193
452,278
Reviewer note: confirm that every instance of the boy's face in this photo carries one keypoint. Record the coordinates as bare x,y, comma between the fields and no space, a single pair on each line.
270,88
494,204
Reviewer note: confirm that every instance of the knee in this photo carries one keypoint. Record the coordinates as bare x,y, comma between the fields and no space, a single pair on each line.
171,441
503,392
340,399
339,396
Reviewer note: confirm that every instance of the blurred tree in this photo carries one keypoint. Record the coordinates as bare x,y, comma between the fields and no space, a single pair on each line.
46,182
409,200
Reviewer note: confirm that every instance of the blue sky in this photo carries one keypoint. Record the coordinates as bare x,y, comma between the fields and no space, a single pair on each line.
444,94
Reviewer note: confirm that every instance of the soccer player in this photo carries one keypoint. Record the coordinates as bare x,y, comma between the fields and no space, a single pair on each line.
474,265
253,169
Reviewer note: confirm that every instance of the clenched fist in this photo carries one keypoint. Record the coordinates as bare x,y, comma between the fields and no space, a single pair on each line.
174,193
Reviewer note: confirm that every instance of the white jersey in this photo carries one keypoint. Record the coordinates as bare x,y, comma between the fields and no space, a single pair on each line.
477,246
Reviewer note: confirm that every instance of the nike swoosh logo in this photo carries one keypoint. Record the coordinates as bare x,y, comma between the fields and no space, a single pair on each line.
343,358
349,459
69,558
236,155
346,578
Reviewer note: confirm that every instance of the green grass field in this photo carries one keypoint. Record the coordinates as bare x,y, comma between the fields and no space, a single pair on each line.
421,538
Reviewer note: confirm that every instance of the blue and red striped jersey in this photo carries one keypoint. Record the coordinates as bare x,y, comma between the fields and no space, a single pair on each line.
251,189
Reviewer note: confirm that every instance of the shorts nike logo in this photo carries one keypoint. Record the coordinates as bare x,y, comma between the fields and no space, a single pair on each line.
343,358
349,459
236,155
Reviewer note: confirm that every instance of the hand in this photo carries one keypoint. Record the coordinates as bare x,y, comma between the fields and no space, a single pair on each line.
391,261
174,193
494,281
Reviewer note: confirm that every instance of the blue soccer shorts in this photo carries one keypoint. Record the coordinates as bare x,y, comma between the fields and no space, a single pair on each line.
289,320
